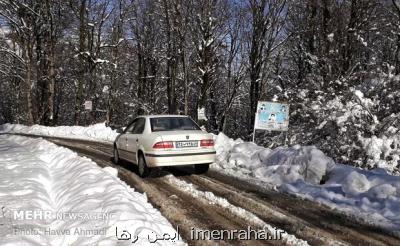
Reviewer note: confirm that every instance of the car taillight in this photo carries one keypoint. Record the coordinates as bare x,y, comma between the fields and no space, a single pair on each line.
163,145
206,143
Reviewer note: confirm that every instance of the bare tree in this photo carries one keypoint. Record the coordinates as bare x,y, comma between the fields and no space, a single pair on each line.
267,21
22,20
82,17
396,5
235,64
208,33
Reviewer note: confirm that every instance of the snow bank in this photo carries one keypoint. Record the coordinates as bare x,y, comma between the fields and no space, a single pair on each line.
36,175
278,166
373,196
97,132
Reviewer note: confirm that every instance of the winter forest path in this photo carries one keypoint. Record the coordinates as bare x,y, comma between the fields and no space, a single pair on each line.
216,201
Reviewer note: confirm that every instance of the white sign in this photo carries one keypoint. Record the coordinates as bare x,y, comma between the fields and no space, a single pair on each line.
88,105
272,116
201,114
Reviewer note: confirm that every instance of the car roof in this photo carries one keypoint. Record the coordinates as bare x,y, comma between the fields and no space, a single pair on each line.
162,115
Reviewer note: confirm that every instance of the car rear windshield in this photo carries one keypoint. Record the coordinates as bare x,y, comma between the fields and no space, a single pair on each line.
172,124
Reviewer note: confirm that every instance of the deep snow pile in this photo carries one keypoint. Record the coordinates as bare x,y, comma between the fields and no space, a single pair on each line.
306,172
40,176
97,132
278,166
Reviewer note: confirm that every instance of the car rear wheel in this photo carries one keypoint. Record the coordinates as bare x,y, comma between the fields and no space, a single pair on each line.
116,155
144,170
201,168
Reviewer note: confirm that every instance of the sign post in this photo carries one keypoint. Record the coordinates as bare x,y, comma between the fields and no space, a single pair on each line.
201,114
271,116
88,109
88,105
254,128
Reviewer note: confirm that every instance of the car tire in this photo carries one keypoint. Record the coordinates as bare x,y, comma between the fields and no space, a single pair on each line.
116,155
201,168
143,169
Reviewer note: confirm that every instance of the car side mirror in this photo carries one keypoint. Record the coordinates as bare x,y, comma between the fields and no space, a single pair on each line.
119,130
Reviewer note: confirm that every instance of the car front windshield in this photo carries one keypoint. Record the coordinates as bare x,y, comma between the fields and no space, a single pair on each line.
172,124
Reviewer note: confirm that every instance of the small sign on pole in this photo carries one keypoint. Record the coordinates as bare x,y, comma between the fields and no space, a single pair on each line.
271,116
201,114
88,105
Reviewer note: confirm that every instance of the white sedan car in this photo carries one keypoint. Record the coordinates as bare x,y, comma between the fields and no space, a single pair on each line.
164,140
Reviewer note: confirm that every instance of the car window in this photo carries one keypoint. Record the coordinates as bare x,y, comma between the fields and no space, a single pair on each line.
172,124
130,126
139,126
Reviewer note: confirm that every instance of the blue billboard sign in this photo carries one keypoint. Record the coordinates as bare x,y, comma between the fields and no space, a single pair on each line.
272,116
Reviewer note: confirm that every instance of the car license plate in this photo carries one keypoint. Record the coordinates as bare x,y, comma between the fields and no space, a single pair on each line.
187,144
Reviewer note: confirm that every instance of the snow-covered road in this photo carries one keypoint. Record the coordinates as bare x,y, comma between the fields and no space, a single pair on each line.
51,196
364,204
216,200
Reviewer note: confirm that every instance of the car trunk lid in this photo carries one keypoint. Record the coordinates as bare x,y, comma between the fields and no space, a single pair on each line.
184,140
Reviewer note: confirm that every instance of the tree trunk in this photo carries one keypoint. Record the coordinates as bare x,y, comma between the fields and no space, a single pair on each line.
212,113
397,55
81,79
171,62
51,72
186,84
28,82
348,49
